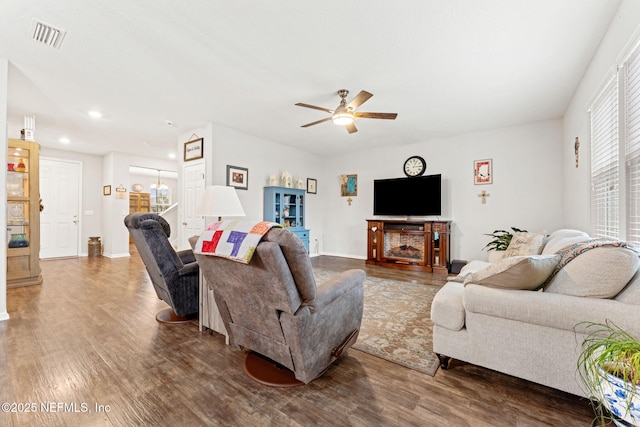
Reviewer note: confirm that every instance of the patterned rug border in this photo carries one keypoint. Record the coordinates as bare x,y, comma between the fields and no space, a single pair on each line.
412,355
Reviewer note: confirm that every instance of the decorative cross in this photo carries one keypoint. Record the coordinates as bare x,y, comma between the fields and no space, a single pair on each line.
349,200
484,196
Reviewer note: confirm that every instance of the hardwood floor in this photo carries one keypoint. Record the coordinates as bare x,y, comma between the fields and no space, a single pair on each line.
84,348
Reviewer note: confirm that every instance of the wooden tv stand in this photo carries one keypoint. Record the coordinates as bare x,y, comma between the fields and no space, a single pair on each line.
409,245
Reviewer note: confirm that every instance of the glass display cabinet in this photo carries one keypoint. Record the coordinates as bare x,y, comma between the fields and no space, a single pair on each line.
286,206
23,214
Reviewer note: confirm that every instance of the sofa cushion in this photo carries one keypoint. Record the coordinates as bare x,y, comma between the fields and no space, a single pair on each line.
447,309
523,243
630,294
562,238
468,269
518,272
600,272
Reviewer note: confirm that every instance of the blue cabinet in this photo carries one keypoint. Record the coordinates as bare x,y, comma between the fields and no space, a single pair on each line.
286,206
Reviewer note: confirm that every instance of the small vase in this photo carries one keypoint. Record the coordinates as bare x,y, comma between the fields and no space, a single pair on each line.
18,240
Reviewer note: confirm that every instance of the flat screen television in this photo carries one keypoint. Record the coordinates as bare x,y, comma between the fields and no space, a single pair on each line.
418,196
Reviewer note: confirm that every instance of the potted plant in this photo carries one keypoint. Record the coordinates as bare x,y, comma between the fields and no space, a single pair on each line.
501,239
500,243
609,367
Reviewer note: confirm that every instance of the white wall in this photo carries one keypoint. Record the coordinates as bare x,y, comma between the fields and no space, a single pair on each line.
576,120
526,190
108,215
4,76
115,172
225,146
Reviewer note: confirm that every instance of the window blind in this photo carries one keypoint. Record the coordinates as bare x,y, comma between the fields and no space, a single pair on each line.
632,144
605,176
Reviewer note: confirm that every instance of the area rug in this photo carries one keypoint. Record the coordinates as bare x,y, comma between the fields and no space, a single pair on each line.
396,323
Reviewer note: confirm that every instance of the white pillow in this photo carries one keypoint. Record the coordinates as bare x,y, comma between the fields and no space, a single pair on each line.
597,273
551,245
467,270
518,272
523,243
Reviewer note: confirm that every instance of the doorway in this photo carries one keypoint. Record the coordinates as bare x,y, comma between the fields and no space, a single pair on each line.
60,222
193,183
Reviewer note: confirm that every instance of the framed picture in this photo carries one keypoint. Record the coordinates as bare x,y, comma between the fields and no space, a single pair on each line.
312,186
349,185
106,190
238,177
482,172
193,149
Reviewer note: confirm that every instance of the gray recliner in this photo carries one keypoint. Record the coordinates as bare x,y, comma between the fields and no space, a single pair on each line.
273,307
175,275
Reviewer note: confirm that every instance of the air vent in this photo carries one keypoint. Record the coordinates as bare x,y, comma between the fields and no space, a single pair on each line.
47,34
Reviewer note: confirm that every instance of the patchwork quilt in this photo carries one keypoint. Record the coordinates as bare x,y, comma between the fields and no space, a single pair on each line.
236,240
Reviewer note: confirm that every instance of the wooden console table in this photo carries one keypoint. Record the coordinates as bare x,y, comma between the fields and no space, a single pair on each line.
409,245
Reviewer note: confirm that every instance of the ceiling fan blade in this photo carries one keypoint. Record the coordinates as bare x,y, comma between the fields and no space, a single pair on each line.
351,128
316,122
364,115
360,99
300,104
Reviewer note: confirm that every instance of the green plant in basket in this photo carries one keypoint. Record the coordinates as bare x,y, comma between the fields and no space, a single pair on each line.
501,239
609,367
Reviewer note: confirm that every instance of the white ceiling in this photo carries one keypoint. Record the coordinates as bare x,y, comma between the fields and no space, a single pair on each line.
445,66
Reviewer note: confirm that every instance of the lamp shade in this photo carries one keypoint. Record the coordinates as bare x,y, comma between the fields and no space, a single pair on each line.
219,200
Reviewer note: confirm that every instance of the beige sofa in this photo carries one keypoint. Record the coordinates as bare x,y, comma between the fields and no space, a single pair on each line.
491,316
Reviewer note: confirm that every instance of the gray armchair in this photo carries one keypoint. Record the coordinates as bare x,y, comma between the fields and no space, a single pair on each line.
273,307
175,275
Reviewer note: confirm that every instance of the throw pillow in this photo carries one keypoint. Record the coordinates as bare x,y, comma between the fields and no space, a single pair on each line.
525,244
468,269
563,238
518,272
601,272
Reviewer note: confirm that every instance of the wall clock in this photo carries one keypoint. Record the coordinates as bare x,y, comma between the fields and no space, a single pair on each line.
414,166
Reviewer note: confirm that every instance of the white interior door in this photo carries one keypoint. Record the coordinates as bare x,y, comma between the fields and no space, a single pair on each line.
193,183
60,184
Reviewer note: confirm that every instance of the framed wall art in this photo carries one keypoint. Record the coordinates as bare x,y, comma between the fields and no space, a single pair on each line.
106,190
238,177
312,186
193,149
349,185
483,172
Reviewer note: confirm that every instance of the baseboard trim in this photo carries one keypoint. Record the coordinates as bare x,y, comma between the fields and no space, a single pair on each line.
124,255
343,255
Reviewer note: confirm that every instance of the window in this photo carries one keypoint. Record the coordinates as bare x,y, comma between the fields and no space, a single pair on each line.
615,141
605,177
160,197
632,144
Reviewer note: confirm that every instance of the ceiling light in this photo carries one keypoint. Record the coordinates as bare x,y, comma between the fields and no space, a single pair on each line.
172,155
95,114
342,115
64,140
342,118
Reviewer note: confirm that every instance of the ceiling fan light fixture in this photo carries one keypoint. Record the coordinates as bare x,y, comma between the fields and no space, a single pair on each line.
342,118
345,114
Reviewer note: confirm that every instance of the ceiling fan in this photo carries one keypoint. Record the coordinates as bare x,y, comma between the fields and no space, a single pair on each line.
345,114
